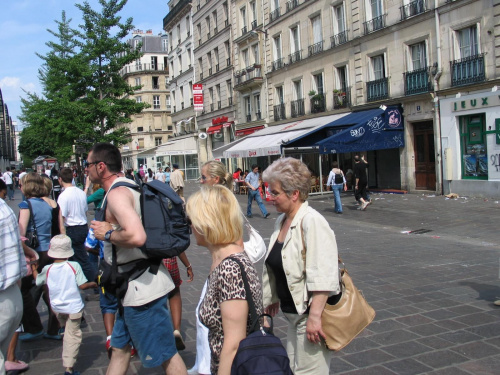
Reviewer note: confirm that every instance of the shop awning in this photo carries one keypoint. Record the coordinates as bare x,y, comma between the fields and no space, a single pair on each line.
214,129
374,129
268,141
180,146
248,131
218,153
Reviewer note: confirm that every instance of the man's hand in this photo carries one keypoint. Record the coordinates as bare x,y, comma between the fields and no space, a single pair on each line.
100,228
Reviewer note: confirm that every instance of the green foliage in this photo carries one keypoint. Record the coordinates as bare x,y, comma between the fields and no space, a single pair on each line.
85,98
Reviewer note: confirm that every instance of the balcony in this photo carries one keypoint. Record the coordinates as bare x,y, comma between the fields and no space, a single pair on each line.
249,118
230,101
294,57
156,87
339,39
142,68
297,108
374,24
377,89
228,61
216,68
254,24
341,98
277,64
279,112
318,103
209,71
219,104
274,15
417,82
174,12
208,36
258,116
226,23
316,48
413,8
467,70
291,5
244,30
249,77
156,106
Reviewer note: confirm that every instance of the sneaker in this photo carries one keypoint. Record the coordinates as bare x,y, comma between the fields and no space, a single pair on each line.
497,302
18,366
179,342
363,207
52,337
267,215
31,336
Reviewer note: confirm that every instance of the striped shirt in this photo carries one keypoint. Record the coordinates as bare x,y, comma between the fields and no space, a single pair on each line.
12,260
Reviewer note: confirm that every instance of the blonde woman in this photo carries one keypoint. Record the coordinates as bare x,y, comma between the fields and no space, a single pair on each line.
215,173
217,224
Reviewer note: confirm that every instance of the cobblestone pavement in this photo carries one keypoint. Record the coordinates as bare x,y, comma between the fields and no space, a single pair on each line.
428,265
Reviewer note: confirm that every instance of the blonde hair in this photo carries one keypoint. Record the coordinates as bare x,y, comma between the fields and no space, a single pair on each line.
292,174
218,169
47,182
215,214
33,185
95,187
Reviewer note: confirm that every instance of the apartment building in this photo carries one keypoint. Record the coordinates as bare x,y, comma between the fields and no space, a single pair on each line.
153,126
212,24
8,147
377,59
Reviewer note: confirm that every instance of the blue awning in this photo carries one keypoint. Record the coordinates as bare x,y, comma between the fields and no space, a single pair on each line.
374,129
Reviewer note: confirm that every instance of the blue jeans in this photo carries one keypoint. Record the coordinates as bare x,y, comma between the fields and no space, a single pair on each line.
255,194
336,194
10,191
78,234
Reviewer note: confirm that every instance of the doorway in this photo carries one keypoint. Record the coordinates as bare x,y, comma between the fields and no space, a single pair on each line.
425,156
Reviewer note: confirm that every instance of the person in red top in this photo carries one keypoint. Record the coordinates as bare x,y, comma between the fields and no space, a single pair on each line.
236,178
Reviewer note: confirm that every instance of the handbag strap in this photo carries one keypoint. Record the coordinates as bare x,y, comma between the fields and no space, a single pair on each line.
32,217
251,305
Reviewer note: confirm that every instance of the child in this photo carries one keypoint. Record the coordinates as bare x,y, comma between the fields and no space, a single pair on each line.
63,279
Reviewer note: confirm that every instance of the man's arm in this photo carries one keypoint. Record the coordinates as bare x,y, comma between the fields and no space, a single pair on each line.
120,210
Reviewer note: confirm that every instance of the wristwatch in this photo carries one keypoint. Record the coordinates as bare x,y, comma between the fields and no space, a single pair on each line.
107,236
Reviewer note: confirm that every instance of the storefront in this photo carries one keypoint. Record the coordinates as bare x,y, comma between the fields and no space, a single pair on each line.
470,136
182,152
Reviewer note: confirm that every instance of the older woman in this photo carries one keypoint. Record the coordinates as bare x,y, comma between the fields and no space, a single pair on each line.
301,269
217,224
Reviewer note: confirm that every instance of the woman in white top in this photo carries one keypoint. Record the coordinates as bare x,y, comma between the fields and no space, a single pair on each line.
149,175
336,180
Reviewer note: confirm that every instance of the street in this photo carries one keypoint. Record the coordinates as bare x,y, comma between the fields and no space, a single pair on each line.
428,265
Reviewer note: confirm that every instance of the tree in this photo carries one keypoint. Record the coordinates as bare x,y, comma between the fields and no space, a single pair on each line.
85,98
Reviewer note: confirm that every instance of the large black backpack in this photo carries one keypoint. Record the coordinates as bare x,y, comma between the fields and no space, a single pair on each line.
260,352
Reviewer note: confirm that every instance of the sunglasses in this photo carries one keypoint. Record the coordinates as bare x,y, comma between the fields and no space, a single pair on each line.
87,164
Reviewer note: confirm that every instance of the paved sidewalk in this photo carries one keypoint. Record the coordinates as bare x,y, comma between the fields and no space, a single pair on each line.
433,291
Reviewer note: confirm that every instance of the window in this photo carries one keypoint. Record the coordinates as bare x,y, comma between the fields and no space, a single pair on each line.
211,98
156,101
339,19
179,34
227,52
341,83
190,92
277,47
224,9
171,40
214,17
154,62
316,30
468,42
172,68
167,81
253,8
138,81
318,83
164,44
140,129
156,83
158,141
136,42
188,26
244,59
198,28
378,67
138,65
216,57
179,59
217,96
248,108
229,91
279,95
255,50
189,57
209,59
418,58
167,101
374,9
474,147
294,39
243,17
297,90
140,143
138,99
275,4
256,101
207,21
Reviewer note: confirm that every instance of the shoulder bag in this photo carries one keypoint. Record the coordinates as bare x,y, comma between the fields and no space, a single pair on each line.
347,318
32,236
255,247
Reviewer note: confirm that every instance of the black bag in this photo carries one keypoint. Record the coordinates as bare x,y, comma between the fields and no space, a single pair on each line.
339,179
260,352
32,236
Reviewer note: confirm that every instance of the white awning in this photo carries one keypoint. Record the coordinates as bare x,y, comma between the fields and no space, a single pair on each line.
268,141
183,146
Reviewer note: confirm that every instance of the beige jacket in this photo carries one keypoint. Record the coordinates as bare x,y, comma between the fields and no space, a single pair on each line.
176,180
321,264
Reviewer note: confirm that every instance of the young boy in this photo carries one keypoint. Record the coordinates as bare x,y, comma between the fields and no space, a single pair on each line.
64,279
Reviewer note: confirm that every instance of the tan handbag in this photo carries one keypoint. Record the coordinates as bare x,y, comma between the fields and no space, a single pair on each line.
343,321
346,319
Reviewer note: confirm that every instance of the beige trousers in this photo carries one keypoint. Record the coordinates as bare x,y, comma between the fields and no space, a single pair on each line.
72,336
305,357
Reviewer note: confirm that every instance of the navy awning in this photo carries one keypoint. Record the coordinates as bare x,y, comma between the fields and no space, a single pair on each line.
374,129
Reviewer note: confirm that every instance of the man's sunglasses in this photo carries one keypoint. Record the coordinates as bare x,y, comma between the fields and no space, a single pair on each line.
87,164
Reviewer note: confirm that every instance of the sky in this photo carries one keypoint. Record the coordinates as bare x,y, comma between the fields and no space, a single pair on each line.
23,31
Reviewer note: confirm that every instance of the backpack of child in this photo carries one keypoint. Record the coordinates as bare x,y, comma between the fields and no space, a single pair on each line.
166,227
260,352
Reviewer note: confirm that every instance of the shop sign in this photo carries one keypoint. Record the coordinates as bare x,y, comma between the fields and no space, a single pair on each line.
476,103
198,97
219,120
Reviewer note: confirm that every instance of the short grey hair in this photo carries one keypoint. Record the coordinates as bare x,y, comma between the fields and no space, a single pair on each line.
292,174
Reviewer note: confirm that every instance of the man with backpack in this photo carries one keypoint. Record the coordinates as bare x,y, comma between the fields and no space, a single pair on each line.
145,299
9,181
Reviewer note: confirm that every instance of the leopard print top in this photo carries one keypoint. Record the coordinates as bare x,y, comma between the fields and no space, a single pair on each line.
226,283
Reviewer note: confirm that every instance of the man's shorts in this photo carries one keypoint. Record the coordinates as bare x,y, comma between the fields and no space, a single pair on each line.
108,303
173,270
149,329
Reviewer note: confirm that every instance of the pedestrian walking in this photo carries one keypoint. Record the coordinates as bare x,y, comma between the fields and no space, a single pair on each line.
252,181
361,178
177,180
8,178
336,181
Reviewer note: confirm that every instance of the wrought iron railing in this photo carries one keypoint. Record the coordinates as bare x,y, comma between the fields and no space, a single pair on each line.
254,24
417,81
249,118
294,57
230,100
216,68
279,112
142,68
413,8
244,30
219,105
248,74
374,24
291,5
339,39
318,104
341,98
212,107
316,48
467,70
277,64
377,89
228,61
209,71
297,108
258,116
275,14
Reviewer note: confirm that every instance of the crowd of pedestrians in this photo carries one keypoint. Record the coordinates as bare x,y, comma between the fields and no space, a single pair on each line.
147,320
